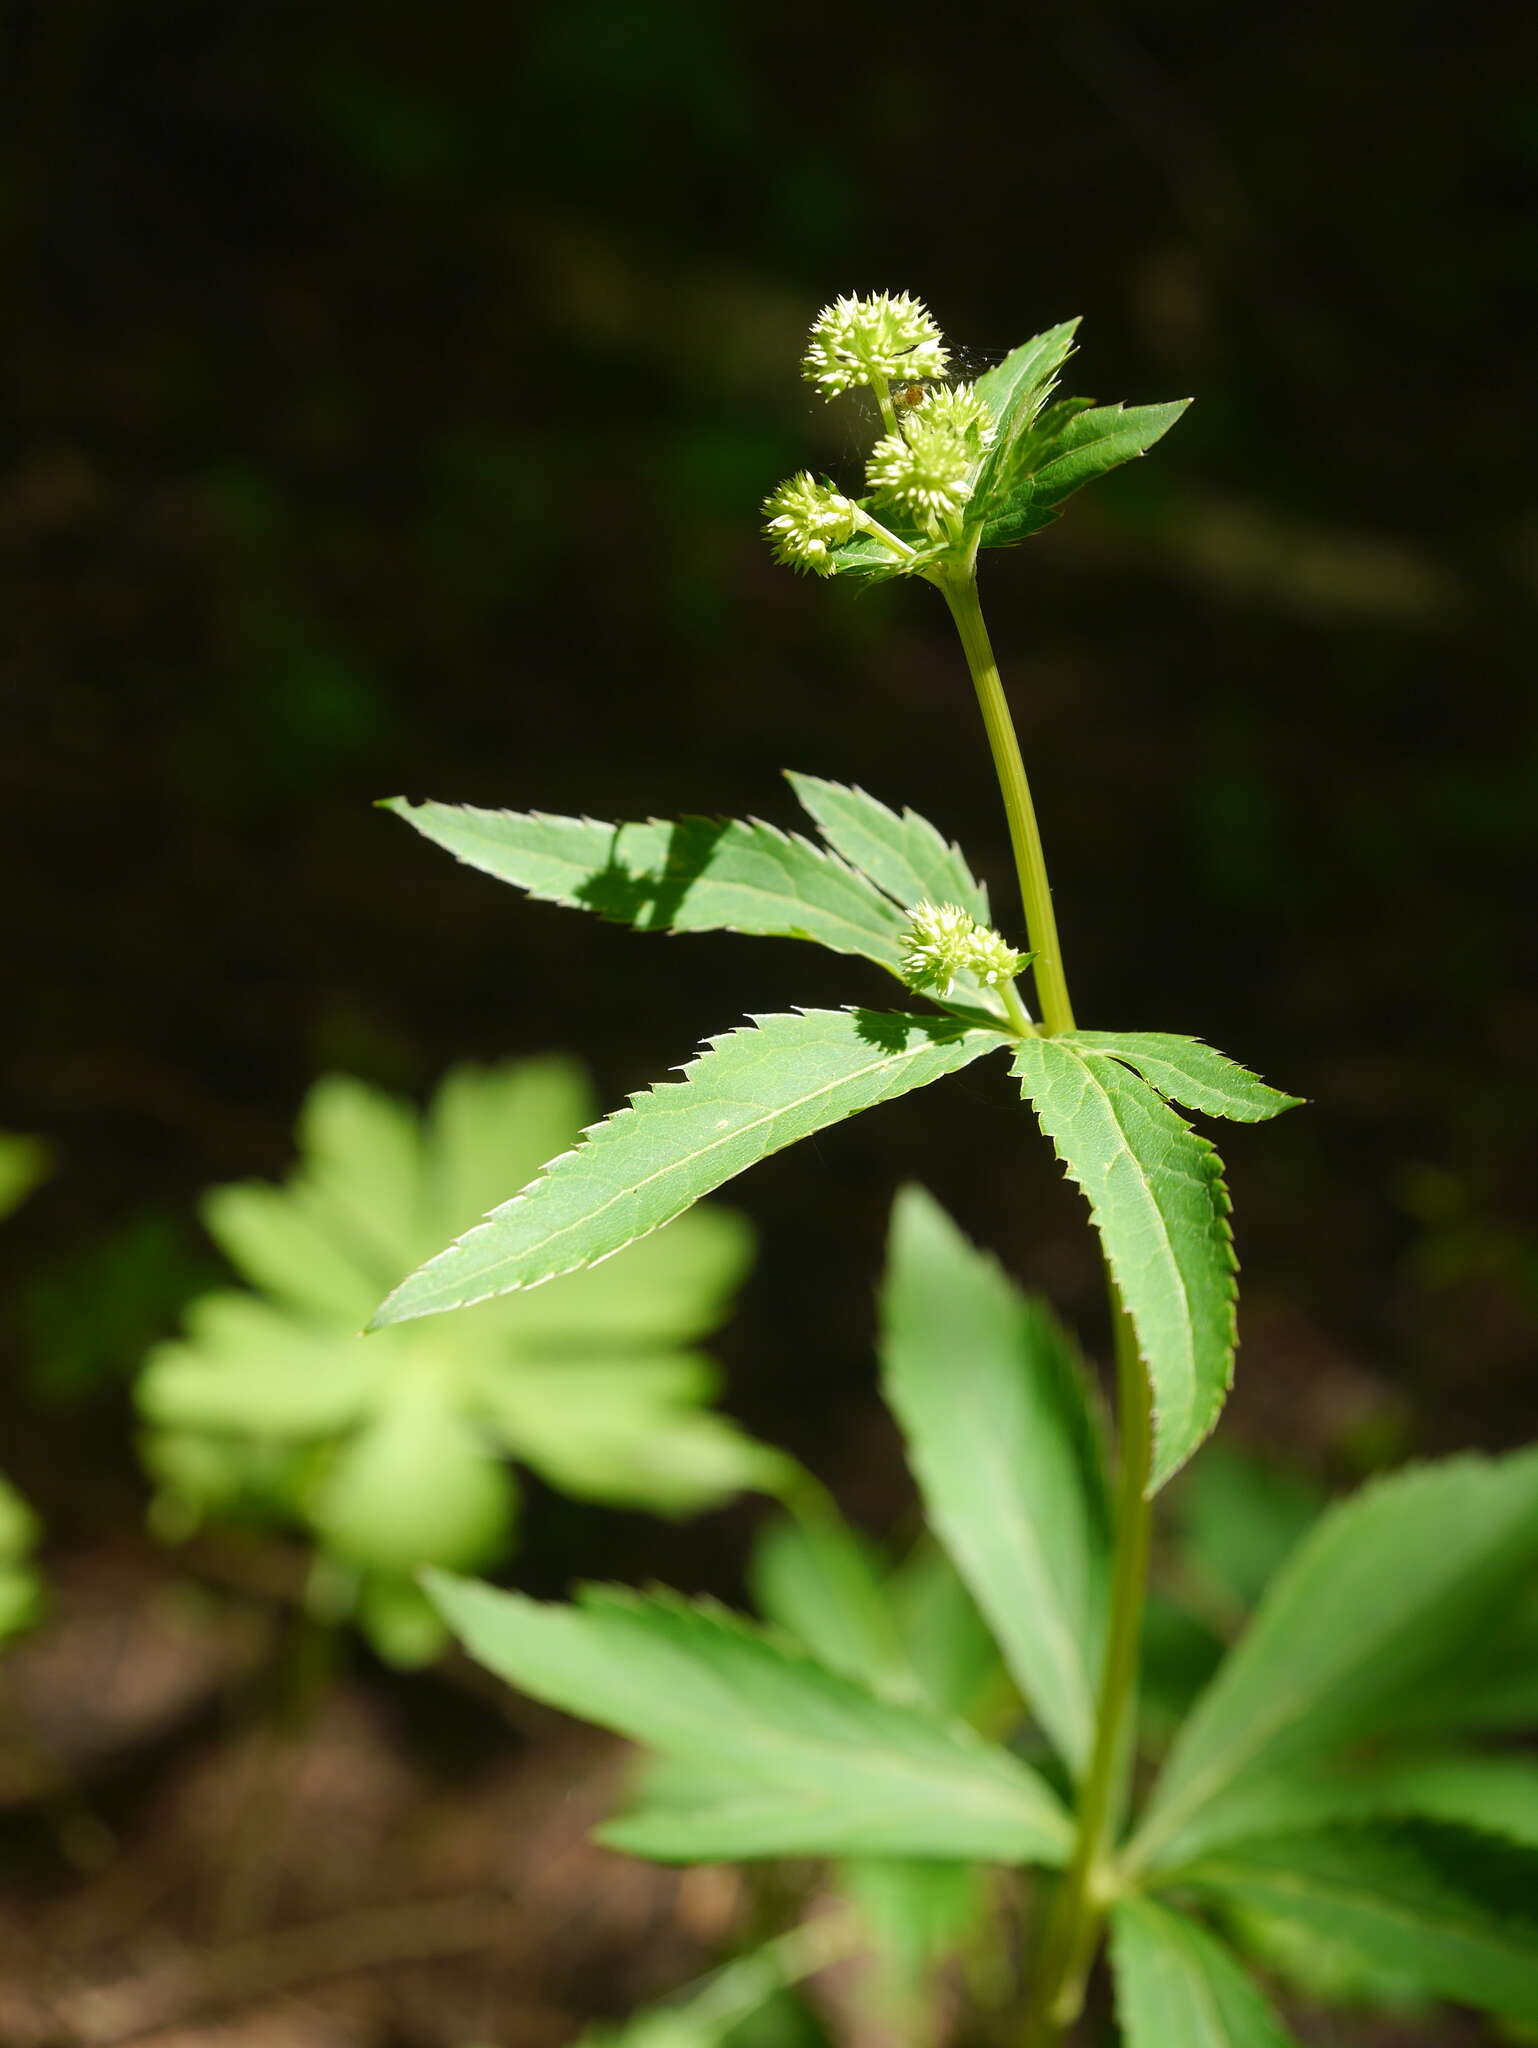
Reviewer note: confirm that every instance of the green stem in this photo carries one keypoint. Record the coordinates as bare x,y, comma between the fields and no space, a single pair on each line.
1088,1885
1025,835
1077,1917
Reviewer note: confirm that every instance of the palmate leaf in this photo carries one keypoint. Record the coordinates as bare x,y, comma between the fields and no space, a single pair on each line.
824,1766
699,874
1443,1908
754,1092
1178,1986
1156,1193
1386,1593
991,1398
392,1451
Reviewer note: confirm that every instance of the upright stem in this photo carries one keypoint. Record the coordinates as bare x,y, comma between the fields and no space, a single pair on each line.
1024,833
1079,1906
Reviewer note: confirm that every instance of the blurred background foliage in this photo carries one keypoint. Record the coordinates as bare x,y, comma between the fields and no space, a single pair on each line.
390,397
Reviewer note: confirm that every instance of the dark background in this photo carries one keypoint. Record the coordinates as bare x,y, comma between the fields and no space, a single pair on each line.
391,396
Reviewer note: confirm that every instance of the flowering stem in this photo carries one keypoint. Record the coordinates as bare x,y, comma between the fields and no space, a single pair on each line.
1079,1906
883,396
960,590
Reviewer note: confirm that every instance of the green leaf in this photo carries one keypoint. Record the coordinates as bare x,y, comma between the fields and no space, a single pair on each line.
825,1768
700,874
1016,517
1155,1190
418,1485
1090,443
754,1092
1386,1591
1451,1911
629,1431
1186,1071
1240,1519
820,1582
585,1379
1177,1986
1493,1686
249,1367
947,1641
904,856
991,1397
487,1128
1015,392
19,1527
1497,1795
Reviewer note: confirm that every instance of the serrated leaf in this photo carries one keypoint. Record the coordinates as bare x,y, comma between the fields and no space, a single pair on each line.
819,1582
1495,1795
825,1767
1177,1986
489,1127
699,874
754,1092
1185,1070
991,1399
1451,1911
1386,1590
1015,391
1016,517
904,856
1090,443
1155,1190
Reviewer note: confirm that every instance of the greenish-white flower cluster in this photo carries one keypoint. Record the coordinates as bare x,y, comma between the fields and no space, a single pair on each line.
873,341
920,474
805,521
926,465
944,941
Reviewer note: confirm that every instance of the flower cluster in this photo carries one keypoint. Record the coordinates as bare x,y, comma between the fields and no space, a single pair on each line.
872,341
805,521
926,466
943,941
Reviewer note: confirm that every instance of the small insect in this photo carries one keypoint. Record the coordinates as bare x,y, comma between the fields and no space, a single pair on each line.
911,395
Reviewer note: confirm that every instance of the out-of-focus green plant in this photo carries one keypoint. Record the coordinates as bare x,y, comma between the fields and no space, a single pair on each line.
21,1585
24,1162
394,1452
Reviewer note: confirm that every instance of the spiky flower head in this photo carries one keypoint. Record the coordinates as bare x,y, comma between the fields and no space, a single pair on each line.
958,410
924,467
855,340
805,521
943,940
